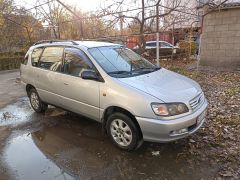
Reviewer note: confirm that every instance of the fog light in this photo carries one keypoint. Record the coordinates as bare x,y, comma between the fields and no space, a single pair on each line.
179,132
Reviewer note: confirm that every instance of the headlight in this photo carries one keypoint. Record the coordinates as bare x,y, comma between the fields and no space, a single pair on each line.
169,109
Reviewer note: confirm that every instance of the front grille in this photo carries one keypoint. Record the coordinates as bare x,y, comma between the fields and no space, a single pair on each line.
196,102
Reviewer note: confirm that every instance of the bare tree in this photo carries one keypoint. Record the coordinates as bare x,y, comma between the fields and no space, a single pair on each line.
53,14
145,16
18,26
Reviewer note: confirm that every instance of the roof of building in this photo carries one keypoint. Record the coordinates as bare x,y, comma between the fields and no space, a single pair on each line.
228,5
213,6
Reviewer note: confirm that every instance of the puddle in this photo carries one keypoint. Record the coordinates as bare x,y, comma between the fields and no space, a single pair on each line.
59,153
16,113
21,112
26,161
66,146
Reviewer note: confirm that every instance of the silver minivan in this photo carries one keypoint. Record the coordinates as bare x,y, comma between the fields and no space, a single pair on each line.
134,100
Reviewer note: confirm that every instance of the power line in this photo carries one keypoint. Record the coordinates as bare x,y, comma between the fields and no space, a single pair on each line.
104,15
71,11
107,14
129,10
38,5
125,11
19,24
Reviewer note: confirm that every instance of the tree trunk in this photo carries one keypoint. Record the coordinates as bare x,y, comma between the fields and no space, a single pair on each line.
29,37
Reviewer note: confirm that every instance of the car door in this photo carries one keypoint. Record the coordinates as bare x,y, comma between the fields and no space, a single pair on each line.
166,48
47,73
80,95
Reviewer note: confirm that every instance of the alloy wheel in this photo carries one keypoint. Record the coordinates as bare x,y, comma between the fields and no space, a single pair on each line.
121,132
34,100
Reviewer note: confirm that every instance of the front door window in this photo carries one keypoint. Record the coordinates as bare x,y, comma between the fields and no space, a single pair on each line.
76,61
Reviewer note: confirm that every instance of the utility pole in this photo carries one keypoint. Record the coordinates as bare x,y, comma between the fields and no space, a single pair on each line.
121,23
157,33
173,38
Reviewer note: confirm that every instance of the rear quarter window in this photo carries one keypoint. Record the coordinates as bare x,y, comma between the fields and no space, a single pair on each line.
36,53
25,59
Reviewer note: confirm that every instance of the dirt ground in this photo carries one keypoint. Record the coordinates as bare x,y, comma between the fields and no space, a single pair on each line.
62,145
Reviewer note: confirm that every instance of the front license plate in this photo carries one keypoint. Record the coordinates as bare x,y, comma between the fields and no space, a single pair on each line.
201,117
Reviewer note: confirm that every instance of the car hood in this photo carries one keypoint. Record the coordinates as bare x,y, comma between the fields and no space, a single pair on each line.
165,85
154,47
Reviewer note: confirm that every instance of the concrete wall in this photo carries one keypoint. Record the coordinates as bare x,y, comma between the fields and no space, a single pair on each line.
220,45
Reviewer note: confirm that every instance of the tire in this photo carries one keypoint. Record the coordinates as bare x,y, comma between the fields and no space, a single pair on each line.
36,103
123,132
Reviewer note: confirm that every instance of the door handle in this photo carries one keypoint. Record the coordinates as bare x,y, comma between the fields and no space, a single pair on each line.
65,83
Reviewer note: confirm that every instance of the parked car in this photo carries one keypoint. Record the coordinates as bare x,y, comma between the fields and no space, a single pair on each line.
165,48
133,99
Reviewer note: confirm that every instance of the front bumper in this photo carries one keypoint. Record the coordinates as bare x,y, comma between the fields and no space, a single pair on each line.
155,130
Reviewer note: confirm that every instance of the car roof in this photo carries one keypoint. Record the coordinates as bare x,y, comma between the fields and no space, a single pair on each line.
91,44
155,41
86,44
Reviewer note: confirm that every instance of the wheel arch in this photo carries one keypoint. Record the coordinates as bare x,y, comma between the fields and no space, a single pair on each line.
112,109
28,88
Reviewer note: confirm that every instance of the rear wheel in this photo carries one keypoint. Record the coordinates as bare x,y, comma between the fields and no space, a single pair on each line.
123,132
36,102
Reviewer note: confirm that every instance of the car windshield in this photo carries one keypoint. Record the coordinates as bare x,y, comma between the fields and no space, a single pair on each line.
121,62
161,44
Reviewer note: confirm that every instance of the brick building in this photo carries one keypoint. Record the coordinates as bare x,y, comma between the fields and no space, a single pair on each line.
220,41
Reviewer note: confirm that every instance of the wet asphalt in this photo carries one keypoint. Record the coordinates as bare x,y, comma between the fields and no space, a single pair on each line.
63,145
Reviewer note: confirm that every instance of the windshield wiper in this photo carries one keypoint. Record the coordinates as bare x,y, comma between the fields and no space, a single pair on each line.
143,69
120,72
135,71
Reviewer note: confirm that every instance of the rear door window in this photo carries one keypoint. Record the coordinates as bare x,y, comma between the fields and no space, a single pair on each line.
35,56
52,59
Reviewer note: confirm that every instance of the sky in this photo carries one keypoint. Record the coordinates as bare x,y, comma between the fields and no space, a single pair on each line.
85,5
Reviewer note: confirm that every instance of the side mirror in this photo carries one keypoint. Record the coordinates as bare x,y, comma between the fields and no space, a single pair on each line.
91,75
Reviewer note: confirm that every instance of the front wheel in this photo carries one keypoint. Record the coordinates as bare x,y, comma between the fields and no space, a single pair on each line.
123,132
36,102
